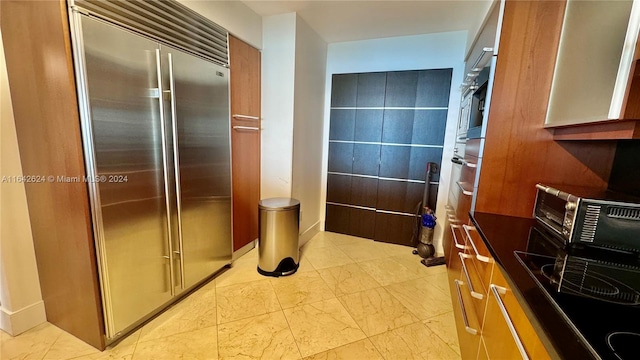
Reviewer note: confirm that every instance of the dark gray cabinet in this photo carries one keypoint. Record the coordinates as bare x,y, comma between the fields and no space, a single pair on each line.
384,129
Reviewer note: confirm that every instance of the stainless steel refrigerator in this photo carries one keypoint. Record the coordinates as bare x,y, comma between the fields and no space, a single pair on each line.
155,125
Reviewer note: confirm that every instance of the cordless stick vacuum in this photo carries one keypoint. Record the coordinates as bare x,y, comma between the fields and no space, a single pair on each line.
425,247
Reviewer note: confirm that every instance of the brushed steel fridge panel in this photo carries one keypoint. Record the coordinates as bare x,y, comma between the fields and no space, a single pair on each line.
201,116
122,83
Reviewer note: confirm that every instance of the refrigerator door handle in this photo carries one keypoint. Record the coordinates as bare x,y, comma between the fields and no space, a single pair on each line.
176,160
164,166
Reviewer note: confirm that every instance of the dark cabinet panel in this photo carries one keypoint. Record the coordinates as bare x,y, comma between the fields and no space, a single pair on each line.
342,124
344,89
394,161
401,89
368,125
371,89
339,188
337,219
357,149
365,159
391,195
399,196
340,157
397,127
396,229
362,222
364,191
413,197
433,88
429,127
420,156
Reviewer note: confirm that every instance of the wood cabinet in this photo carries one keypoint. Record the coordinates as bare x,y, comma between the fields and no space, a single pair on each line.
45,106
491,322
596,71
517,150
244,64
514,152
507,332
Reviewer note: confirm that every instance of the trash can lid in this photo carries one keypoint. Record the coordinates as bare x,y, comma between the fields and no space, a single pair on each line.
278,204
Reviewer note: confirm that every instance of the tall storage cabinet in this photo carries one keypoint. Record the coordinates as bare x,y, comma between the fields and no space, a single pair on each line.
47,125
244,63
384,129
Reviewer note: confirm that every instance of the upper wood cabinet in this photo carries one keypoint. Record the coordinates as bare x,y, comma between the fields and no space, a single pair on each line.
596,77
244,64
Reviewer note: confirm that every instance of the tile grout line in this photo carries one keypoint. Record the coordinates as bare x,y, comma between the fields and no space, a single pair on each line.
135,346
52,344
215,293
285,319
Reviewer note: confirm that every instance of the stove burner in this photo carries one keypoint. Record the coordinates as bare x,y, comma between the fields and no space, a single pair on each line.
576,279
623,344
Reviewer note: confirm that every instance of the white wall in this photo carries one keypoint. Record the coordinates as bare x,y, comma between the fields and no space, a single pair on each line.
278,74
310,70
234,16
21,305
430,51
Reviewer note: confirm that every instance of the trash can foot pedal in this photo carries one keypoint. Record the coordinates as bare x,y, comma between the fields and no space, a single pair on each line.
286,267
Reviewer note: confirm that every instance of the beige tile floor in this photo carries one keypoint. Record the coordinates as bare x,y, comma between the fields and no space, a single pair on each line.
351,299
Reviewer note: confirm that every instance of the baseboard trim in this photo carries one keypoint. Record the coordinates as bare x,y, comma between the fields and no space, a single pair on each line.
16,322
243,250
309,233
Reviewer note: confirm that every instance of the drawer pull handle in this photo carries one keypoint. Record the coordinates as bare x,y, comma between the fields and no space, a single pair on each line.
252,128
469,164
455,238
465,319
482,258
245,117
475,294
464,191
497,290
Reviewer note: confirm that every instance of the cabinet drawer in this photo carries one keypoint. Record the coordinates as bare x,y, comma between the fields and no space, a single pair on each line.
467,177
472,148
507,332
473,284
467,323
454,265
482,259
447,239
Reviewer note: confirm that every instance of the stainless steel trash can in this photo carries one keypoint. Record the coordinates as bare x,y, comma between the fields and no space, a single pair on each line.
278,221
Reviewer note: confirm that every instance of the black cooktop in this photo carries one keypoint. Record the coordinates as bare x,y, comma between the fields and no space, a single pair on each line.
586,302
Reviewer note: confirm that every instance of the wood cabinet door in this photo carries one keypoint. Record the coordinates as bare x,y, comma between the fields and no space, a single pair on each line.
244,64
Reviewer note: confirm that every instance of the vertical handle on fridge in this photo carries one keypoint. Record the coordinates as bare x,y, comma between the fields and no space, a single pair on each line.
165,169
176,161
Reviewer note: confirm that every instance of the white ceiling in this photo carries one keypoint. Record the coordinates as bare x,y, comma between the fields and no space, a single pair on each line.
338,21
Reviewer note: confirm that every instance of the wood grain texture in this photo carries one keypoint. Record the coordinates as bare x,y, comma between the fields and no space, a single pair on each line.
518,151
37,45
496,335
609,130
245,144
